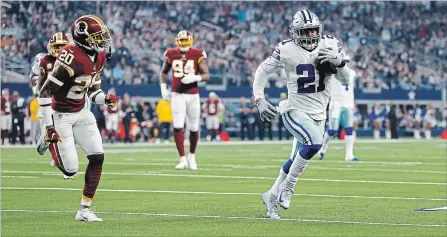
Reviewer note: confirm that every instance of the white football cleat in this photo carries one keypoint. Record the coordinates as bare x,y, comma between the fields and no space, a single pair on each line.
87,215
285,195
192,161
270,202
52,163
68,177
183,164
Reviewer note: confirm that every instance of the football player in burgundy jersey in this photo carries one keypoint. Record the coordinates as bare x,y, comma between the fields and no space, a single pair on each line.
5,116
43,65
112,118
212,107
188,67
76,73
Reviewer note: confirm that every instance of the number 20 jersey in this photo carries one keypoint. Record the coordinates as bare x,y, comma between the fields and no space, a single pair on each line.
308,91
183,64
83,70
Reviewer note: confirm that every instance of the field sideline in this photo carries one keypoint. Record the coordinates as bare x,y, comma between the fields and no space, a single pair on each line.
142,195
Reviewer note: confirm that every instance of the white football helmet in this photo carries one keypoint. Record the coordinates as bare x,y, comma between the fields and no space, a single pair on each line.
303,20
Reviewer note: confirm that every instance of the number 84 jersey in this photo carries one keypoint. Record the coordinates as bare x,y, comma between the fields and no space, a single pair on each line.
182,64
308,88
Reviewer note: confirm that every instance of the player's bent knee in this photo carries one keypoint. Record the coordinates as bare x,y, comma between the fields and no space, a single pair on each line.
96,159
308,151
193,127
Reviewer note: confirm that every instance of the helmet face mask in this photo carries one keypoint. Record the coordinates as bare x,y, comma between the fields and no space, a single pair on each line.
303,28
184,41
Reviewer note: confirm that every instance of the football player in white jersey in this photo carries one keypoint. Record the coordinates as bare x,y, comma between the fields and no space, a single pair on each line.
310,61
341,106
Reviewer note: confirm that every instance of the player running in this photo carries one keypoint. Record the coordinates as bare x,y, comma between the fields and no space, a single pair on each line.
43,65
188,67
212,107
76,73
309,59
341,106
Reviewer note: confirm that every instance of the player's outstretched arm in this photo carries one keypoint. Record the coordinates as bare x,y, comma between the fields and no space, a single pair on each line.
49,87
164,78
269,66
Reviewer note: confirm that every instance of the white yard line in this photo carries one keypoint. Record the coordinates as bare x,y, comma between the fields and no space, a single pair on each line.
235,218
20,177
222,193
229,167
230,177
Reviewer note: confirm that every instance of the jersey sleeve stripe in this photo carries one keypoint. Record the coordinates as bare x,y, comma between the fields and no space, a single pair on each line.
55,80
69,69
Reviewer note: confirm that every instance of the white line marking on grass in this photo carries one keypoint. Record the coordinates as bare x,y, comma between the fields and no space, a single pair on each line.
231,177
236,217
230,167
223,193
20,177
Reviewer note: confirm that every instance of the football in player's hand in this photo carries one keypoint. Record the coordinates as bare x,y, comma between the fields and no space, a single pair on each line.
325,67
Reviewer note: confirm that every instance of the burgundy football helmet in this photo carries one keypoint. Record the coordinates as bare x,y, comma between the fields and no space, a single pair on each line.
56,42
91,33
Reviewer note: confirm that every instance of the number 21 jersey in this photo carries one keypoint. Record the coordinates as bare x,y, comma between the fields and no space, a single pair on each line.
308,88
183,64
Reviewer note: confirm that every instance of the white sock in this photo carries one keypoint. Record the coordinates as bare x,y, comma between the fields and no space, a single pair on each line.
275,188
349,147
297,168
183,159
218,138
417,134
208,138
376,134
427,134
388,134
326,139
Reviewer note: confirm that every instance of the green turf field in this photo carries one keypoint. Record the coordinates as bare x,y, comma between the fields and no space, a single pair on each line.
142,195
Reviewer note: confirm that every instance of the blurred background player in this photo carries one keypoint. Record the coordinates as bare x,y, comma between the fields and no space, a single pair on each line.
188,66
33,107
341,106
429,120
164,114
212,108
417,118
377,117
43,65
18,111
5,116
112,118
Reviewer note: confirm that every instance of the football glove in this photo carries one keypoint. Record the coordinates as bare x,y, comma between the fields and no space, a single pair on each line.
111,100
188,79
266,110
331,56
51,135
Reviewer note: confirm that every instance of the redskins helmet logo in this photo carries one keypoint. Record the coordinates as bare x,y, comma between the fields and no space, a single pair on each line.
81,28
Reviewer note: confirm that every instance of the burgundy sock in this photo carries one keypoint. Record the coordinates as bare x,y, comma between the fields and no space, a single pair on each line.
179,139
193,139
93,174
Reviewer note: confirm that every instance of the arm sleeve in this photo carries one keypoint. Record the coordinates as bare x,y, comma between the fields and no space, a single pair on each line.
270,65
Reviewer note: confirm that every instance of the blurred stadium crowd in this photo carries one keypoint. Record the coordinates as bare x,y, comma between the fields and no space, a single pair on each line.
391,44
